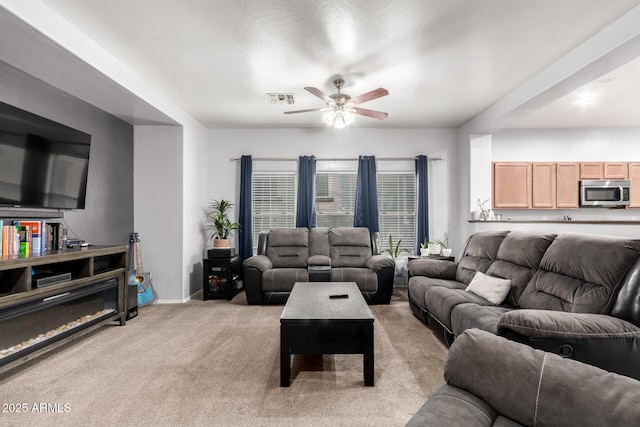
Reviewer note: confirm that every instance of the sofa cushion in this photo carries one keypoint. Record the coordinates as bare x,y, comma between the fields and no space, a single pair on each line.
319,241
282,279
470,315
367,280
288,247
349,246
480,251
580,273
418,286
518,259
440,300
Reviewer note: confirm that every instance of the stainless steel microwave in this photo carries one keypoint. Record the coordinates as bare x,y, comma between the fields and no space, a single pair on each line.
606,193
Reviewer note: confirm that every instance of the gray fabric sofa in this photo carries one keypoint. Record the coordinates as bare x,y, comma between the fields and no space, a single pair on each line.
491,381
341,254
576,295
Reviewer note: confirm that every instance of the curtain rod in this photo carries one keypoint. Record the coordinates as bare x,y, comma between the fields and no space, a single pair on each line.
291,159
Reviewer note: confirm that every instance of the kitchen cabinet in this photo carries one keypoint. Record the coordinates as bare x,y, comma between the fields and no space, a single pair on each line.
543,185
591,170
634,177
604,170
567,185
616,170
512,185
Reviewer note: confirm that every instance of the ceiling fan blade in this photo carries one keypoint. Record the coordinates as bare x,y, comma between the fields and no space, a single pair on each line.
307,111
369,113
376,93
317,92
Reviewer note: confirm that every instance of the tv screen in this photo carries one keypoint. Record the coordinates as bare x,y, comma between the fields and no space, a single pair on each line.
43,164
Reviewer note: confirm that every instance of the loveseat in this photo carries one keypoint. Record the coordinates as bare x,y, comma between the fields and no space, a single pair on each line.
340,254
576,295
491,381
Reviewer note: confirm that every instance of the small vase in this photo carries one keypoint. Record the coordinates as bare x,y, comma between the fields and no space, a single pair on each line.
424,252
446,252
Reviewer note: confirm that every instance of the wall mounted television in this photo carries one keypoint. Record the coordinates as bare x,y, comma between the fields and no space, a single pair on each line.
43,164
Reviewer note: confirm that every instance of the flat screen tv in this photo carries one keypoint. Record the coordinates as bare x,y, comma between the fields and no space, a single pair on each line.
43,164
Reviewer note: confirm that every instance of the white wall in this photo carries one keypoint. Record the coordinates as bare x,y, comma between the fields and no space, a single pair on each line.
195,165
225,144
158,206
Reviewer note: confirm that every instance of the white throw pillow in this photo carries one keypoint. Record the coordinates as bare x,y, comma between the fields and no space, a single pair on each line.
491,288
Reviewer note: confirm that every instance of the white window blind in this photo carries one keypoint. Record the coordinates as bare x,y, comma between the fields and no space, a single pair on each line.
273,201
396,207
335,198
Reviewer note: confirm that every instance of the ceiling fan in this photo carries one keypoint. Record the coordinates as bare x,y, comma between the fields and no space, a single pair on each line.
341,107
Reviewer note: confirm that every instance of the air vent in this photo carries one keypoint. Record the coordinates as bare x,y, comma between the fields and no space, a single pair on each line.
280,98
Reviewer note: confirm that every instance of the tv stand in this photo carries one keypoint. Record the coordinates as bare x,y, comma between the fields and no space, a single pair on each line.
38,319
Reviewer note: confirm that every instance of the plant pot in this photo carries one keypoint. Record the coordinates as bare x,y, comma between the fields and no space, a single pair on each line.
221,243
401,272
424,252
434,249
446,252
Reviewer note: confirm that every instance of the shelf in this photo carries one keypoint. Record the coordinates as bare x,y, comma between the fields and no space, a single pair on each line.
95,291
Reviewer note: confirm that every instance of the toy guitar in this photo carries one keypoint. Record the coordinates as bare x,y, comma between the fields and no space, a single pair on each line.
146,293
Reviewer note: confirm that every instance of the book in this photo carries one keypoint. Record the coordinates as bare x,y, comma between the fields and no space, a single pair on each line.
33,234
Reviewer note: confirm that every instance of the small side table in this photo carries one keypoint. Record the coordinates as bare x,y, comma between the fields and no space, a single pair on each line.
220,277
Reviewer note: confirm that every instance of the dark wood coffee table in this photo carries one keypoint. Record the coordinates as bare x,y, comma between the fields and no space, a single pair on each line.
314,323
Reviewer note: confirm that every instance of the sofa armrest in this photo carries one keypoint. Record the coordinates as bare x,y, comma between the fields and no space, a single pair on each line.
542,324
378,262
259,262
437,269
319,261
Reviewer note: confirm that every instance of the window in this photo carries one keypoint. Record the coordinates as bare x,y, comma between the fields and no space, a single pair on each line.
335,198
273,201
396,207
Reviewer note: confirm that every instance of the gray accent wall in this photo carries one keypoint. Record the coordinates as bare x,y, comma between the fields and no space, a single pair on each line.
108,216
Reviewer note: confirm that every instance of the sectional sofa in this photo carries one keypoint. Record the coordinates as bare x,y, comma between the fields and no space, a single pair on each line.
576,295
491,381
340,254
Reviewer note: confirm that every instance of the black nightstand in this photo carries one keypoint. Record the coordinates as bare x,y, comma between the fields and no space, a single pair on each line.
220,277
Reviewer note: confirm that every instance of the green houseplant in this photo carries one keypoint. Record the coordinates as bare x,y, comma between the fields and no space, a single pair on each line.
400,272
217,220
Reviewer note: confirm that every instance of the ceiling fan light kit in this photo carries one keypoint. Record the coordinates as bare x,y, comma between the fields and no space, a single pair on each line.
342,108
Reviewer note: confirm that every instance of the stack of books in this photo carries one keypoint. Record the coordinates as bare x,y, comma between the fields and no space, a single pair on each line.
27,237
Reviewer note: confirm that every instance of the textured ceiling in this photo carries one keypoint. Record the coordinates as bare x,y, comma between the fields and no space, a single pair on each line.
442,61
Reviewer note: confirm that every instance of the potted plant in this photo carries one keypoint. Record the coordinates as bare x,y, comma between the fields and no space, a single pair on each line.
444,244
400,274
217,219
424,247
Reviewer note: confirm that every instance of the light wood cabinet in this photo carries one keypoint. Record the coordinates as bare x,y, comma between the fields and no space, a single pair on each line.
591,170
634,177
567,185
543,185
511,185
616,170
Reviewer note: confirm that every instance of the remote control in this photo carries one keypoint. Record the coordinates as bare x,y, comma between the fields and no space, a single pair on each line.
340,296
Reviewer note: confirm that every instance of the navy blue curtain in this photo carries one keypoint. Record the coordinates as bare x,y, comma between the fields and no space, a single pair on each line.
246,239
306,204
366,208
422,201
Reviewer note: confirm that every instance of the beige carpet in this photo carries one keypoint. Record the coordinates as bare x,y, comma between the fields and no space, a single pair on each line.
217,363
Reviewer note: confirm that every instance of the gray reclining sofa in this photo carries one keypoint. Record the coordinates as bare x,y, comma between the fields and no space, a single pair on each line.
576,295
492,381
341,254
